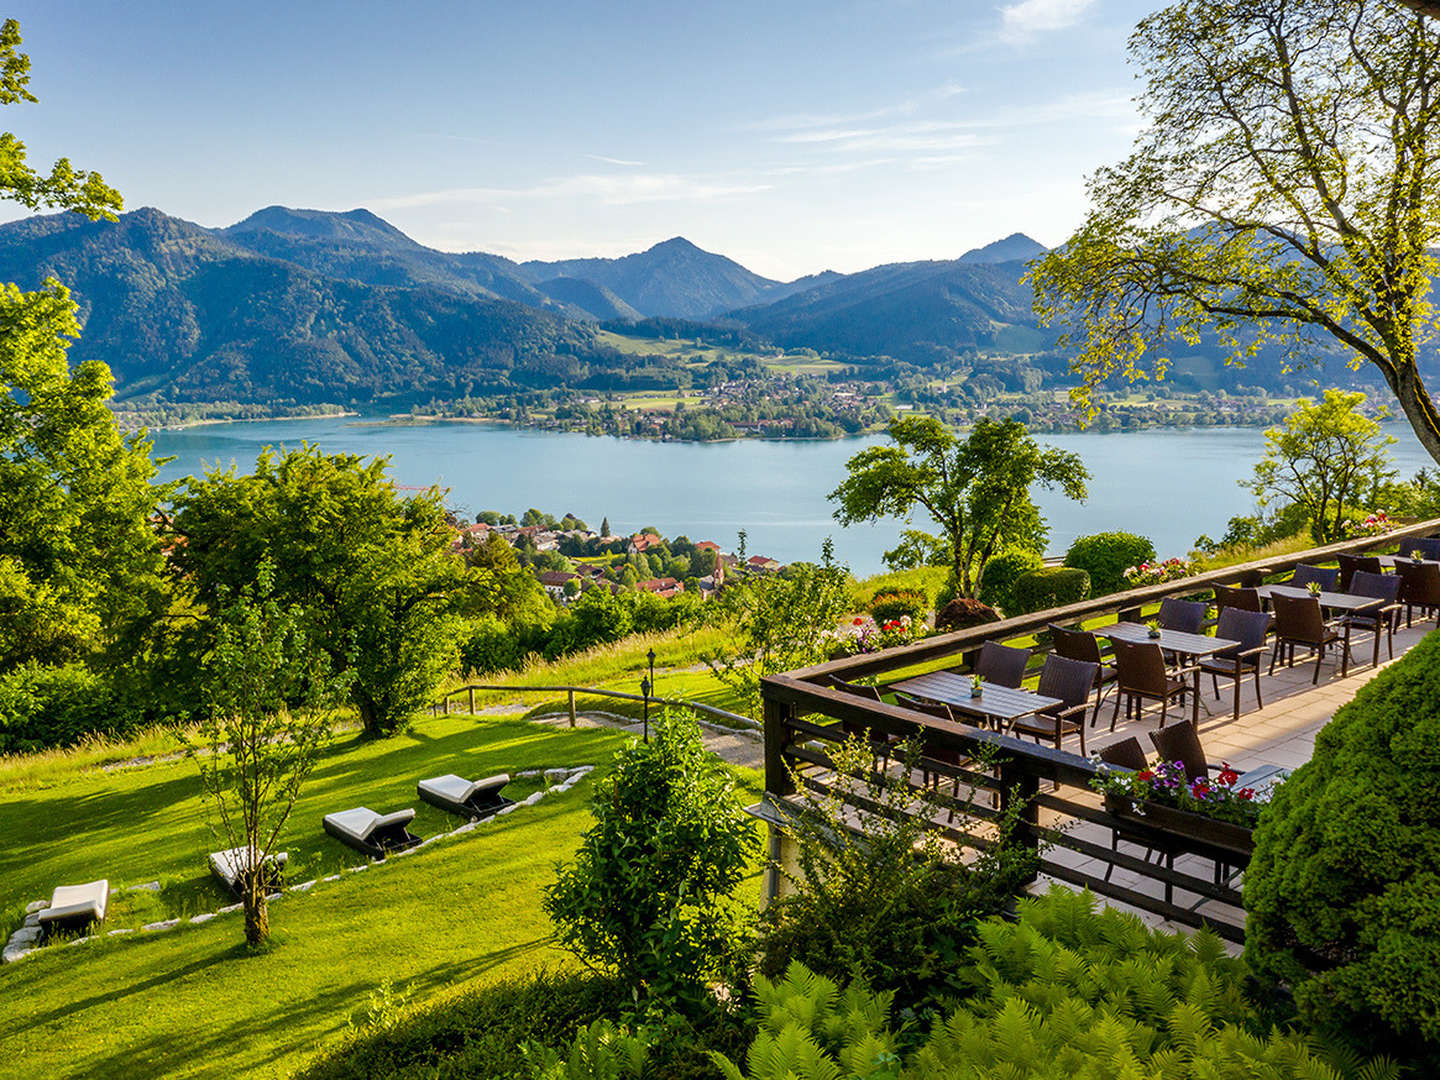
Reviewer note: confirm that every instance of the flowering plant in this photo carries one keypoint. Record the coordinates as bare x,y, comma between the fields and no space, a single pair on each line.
1313,588
977,685
1155,573
864,635
1373,525
1166,783
1417,555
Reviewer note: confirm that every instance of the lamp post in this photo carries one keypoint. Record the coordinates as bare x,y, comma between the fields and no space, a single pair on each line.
651,657
645,687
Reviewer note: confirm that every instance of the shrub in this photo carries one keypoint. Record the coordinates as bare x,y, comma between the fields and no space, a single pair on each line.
961,612
997,582
645,896
1051,586
894,604
1105,556
1343,893
490,646
43,707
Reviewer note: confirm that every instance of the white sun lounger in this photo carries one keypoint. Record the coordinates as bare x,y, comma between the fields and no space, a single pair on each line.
228,864
374,834
74,907
473,799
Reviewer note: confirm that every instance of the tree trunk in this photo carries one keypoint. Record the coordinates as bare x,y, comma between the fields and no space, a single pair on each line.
1424,7
257,915
1415,402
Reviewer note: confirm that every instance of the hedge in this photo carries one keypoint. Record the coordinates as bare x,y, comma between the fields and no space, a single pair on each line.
997,580
1050,586
1105,556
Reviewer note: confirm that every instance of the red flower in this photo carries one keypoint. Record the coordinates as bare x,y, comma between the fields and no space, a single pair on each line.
1246,793
1145,774
858,620
1228,775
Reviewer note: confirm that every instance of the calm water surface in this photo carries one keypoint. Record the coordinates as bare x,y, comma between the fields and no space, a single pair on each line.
1170,485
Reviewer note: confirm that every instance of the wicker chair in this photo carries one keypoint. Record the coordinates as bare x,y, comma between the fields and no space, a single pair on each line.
1128,754
930,751
1083,645
1071,681
1299,621
882,742
1143,676
1236,596
1350,565
1249,628
1184,616
1181,743
1327,577
1419,588
1383,617
1429,546
1001,664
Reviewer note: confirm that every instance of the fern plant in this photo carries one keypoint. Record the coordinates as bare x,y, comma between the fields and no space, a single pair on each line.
600,1051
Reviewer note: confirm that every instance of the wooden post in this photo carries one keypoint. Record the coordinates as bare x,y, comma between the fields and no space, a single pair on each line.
572,706
1021,785
777,737
472,699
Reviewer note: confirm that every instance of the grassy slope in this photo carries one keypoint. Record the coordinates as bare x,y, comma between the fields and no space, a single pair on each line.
190,1002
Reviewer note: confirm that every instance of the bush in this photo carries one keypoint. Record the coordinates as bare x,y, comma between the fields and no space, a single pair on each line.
646,894
1051,586
997,582
1343,893
42,707
491,646
1105,556
894,604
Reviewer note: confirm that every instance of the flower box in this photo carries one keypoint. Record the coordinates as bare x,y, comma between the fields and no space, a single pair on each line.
1171,819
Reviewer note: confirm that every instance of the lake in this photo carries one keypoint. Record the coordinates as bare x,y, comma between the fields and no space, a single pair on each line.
1168,484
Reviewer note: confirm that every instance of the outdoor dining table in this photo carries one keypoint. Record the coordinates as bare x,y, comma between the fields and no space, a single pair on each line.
1335,601
1002,704
1263,780
1189,646
1389,561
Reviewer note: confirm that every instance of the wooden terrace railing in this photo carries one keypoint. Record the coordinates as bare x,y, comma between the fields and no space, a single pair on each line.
1061,818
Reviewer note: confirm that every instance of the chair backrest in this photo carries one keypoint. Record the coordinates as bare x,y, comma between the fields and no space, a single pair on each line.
1419,582
1182,615
1236,596
1069,680
868,692
1001,664
937,709
1350,565
1247,627
1178,742
1429,546
1328,577
1075,644
1140,665
1127,753
1381,586
1298,618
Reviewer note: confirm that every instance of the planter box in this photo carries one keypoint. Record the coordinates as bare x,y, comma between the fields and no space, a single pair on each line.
1206,832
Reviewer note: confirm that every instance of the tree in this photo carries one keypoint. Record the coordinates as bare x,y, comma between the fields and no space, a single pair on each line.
1284,193
264,686
605,526
373,572
1325,458
79,562
977,491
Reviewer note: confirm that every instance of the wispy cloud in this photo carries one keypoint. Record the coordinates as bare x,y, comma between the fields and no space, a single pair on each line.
610,190
616,161
1022,21
817,121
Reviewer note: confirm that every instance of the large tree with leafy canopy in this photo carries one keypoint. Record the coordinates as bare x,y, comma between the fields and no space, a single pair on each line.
1284,192
80,566
976,489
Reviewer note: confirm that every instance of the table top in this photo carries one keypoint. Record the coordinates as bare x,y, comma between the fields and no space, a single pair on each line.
1391,560
1263,779
998,702
1175,640
1337,601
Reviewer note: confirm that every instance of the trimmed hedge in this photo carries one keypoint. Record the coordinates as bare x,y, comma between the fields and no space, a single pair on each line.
1105,557
1050,586
997,580
1343,893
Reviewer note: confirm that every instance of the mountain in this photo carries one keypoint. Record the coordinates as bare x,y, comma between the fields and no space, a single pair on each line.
904,307
674,278
194,314
1017,247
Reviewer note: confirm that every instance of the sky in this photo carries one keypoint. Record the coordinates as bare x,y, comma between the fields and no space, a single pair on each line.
792,136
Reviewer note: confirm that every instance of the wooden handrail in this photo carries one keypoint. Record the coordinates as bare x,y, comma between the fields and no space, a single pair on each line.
732,719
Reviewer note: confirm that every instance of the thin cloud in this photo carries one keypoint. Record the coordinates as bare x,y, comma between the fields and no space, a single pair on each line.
1023,21
616,161
819,121
612,190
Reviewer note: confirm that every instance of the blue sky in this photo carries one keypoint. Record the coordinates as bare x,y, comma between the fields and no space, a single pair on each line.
794,137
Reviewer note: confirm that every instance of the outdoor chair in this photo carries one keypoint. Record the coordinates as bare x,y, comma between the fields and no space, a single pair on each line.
1083,645
1429,546
1327,577
1351,564
1183,616
1071,682
376,835
1143,676
1001,664
1181,743
1237,596
1419,588
475,800
882,742
1249,628
944,755
1383,617
75,907
1128,754
1299,621
230,866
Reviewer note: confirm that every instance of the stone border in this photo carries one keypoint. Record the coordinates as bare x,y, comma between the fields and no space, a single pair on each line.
27,939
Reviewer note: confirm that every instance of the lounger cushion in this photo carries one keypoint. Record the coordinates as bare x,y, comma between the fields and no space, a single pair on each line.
458,790
77,901
362,821
227,864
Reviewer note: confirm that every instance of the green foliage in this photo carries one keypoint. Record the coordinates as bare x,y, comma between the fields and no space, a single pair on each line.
977,491
894,905
780,622
372,571
895,603
1328,459
1050,586
1105,557
997,583
647,894
1343,892
41,707
601,1051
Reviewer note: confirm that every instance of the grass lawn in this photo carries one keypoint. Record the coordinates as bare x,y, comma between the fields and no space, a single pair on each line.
191,1001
